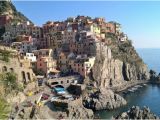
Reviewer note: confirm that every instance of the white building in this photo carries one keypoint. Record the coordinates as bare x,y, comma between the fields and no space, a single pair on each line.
31,57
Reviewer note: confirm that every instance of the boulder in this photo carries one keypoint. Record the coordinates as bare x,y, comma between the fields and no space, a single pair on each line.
136,113
79,112
105,99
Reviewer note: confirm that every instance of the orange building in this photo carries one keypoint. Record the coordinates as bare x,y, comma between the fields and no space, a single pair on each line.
46,64
82,65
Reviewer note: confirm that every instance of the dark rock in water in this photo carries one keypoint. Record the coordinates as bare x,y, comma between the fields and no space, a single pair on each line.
136,113
154,78
105,99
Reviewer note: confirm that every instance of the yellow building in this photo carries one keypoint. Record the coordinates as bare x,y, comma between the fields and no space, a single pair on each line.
95,28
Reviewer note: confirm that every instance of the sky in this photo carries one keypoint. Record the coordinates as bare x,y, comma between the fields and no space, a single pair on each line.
139,20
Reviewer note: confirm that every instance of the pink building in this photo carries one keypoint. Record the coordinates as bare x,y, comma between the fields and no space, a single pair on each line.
82,65
46,65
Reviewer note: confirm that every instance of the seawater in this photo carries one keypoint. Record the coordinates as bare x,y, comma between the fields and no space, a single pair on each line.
148,95
151,57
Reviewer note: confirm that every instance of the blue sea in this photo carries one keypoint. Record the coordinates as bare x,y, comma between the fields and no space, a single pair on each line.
151,57
149,95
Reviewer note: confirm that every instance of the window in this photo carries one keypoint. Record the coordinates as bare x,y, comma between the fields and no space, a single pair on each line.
82,69
67,81
82,65
40,64
61,82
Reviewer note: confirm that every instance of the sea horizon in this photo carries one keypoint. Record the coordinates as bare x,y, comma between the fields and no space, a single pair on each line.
150,57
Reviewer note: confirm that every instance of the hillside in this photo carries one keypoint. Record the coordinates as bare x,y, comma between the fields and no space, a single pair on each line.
7,7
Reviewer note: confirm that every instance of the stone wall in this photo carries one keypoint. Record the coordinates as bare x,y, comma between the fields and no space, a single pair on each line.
24,74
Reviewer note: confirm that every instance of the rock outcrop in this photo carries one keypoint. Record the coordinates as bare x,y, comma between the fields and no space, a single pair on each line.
80,112
104,99
113,71
154,78
136,113
109,72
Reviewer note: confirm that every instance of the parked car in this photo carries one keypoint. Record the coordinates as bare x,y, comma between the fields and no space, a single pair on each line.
54,98
59,90
45,96
69,97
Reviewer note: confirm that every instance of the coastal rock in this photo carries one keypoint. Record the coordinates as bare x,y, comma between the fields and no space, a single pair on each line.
154,78
136,113
110,72
105,99
80,112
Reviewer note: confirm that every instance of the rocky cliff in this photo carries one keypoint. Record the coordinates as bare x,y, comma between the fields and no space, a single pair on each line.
117,63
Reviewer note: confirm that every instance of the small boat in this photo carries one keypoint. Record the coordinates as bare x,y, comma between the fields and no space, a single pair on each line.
130,90
145,84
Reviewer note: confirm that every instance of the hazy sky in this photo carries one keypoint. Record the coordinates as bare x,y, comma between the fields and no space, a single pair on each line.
140,20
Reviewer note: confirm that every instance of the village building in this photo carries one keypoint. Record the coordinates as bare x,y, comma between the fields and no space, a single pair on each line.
82,65
93,28
46,65
30,56
63,61
28,45
43,53
122,37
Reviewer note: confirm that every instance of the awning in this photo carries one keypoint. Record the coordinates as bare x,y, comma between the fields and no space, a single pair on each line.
54,71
